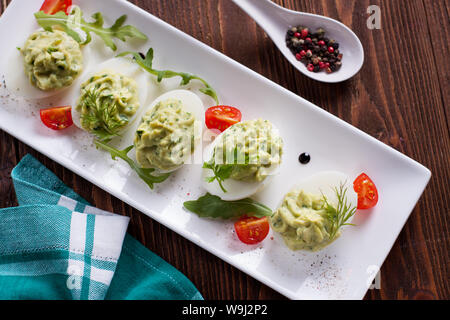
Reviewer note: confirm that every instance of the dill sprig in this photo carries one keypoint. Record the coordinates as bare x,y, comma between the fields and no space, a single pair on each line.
101,117
339,214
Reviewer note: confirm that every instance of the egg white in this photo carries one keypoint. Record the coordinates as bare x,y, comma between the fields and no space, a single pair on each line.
18,83
325,183
236,189
191,103
123,66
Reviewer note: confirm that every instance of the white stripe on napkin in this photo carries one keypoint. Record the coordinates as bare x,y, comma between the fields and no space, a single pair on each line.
101,275
77,232
94,210
67,203
109,234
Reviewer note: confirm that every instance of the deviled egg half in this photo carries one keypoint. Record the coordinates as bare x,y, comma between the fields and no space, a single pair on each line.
47,63
242,159
170,131
106,100
312,213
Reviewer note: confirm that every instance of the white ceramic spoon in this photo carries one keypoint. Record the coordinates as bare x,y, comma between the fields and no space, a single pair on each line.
276,21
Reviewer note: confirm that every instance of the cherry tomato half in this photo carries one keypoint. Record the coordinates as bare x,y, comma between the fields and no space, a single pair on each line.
54,6
57,118
252,230
222,117
366,190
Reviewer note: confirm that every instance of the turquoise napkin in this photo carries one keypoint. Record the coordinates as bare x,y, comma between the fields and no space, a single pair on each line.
56,246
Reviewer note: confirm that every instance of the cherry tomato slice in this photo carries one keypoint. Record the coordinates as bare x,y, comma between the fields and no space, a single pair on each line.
57,118
222,117
252,230
54,6
366,190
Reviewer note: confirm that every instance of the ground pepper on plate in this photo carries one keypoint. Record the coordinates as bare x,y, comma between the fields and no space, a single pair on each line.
315,50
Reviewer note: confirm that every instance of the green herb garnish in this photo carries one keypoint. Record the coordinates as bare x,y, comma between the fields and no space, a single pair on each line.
221,172
340,214
214,207
68,23
101,116
147,64
144,174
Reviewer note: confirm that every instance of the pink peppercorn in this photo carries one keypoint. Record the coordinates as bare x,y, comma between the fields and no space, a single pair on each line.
304,33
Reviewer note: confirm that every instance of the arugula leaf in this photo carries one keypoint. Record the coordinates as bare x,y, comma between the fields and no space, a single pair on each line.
76,20
340,214
146,63
144,174
211,206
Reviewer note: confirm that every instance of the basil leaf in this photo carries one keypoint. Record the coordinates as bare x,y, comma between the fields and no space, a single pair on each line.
210,206
76,20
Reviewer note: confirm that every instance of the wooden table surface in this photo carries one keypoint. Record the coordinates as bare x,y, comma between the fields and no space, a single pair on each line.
401,97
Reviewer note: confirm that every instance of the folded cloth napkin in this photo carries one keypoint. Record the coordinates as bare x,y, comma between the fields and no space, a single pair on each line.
56,246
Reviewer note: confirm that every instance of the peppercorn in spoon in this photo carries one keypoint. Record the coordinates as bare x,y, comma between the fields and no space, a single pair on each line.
307,53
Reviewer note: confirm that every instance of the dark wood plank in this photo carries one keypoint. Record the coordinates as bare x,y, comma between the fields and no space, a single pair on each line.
400,97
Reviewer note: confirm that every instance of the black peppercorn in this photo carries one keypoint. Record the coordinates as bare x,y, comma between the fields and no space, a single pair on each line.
313,49
304,158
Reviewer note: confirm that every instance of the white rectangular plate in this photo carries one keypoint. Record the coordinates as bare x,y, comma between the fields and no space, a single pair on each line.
343,270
